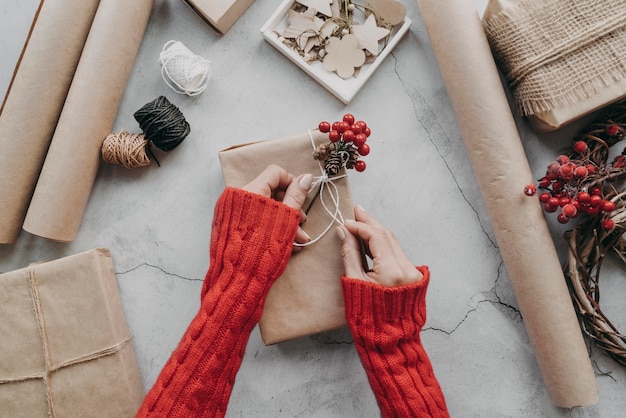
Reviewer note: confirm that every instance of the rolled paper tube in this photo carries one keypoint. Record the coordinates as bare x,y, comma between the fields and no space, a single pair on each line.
492,142
34,100
71,165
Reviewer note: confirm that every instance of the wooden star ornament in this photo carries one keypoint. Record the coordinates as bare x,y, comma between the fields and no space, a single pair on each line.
369,34
322,6
302,26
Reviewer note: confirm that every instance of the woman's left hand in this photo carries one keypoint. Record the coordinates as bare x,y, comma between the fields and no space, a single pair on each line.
277,183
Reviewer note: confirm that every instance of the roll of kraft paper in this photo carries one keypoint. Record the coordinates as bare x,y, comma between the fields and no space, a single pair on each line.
501,170
34,100
70,168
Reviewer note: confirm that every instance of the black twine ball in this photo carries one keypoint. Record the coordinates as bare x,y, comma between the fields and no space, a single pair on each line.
162,123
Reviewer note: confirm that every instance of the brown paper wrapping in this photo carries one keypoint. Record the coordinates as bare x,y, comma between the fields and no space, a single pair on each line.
307,298
501,170
560,67
34,100
85,366
71,164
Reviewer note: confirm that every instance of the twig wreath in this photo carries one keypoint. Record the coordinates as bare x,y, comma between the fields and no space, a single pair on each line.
586,183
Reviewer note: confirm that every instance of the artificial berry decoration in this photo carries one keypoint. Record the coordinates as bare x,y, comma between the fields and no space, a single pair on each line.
612,130
347,144
530,190
576,183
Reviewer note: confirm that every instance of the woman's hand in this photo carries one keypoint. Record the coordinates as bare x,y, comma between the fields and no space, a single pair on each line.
391,267
277,183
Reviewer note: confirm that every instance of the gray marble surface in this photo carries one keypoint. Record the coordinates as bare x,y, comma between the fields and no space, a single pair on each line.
156,222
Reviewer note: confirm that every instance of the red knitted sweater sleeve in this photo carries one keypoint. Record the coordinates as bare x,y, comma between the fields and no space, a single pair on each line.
385,323
251,243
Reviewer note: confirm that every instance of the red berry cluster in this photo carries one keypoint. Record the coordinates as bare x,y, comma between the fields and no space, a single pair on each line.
574,186
349,134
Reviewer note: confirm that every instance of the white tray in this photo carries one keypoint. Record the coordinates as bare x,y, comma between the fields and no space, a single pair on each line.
344,90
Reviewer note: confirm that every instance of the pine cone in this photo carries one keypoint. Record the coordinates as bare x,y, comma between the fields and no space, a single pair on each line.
323,150
352,159
333,164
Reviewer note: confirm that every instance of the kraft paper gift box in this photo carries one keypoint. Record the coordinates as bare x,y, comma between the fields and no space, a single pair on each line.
65,349
219,14
307,298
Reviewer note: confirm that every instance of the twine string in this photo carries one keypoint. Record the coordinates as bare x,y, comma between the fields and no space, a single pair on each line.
326,183
182,70
49,369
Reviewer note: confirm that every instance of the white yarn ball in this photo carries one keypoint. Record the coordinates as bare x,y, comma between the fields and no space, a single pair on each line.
182,70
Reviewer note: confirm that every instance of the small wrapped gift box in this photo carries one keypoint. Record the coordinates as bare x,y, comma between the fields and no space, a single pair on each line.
65,346
307,298
563,59
220,14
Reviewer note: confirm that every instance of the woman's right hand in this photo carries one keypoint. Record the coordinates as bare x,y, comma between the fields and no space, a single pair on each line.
390,265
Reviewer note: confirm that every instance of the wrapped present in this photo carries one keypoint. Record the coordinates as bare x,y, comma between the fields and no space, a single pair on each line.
219,14
563,59
65,346
307,298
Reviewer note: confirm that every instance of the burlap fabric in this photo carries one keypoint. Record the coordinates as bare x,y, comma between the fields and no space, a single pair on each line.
558,52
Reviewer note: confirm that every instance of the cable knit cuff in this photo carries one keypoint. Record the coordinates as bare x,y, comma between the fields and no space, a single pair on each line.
382,304
251,233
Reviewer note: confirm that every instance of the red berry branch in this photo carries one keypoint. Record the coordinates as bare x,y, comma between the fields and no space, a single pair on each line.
347,144
582,182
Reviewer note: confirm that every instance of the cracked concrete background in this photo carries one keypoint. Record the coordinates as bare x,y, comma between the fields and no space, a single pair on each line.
156,222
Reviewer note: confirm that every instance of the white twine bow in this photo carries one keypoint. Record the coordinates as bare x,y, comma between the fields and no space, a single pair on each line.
182,70
326,183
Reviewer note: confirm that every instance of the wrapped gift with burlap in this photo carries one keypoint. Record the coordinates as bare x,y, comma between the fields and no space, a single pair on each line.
65,349
562,59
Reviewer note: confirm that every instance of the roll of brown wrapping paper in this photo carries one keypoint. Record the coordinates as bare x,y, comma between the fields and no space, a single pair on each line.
34,100
492,142
70,167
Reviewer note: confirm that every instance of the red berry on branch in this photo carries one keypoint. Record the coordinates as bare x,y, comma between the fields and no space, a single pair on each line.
570,210
530,190
348,118
360,166
564,201
550,208
611,130
562,159
608,224
359,139
324,127
567,169
335,126
595,190
334,135
363,124
562,218
348,136
583,197
557,186
607,206
544,197
591,168
592,210
581,171
595,201
356,128
554,201
363,150
367,132
580,147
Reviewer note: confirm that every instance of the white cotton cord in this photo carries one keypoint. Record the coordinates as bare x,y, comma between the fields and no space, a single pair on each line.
182,70
326,183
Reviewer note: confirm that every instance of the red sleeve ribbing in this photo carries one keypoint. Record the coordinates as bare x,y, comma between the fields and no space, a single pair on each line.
251,243
385,323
